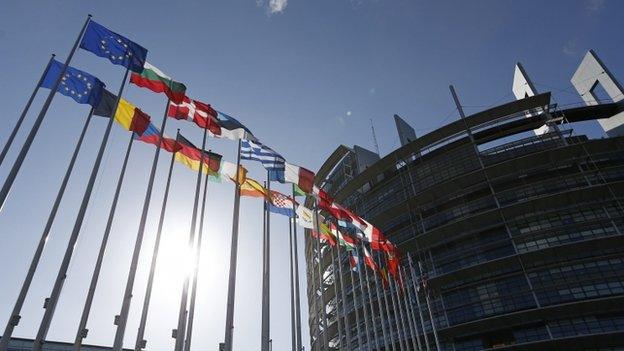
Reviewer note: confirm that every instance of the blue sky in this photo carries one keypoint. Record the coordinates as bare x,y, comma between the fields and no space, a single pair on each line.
305,76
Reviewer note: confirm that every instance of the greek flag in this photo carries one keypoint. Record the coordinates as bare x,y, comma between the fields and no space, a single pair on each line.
271,160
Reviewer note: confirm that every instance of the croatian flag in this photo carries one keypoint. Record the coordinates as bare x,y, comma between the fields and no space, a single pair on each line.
281,204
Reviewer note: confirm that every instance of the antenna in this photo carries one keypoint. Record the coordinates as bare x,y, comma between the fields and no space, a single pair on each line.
374,136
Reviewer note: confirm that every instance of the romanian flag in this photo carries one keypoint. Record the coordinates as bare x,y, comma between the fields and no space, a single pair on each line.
254,189
127,115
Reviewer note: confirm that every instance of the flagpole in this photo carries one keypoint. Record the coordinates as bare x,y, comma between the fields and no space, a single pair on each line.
82,327
336,308
8,183
410,307
357,314
370,302
369,344
50,304
433,326
396,313
19,303
296,268
344,299
122,319
388,315
140,342
407,315
191,314
181,329
381,314
293,323
266,275
319,257
404,329
7,146
415,283
229,316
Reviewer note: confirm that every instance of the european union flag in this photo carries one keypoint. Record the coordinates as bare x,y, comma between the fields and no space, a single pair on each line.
117,48
78,85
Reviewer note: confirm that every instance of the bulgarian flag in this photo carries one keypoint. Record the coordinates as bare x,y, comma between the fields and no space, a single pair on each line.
155,80
303,178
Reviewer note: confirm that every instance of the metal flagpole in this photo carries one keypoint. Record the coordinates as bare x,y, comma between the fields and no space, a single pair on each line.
396,313
433,327
317,330
410,312
229,317
82,327
384,331
181,329
191,314
410,323
262,297
369,344
320,272
296,268
293,322
344,299
140,342
336,308
404,327
416,283
122,319
6,187
357,314
266,275
50,304
388,315
7,146
19,303
370,303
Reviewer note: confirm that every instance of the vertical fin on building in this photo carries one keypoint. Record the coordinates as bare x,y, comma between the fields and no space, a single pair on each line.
522,88
407,134
591,72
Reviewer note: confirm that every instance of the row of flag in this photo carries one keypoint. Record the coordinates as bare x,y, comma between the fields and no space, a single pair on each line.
85,88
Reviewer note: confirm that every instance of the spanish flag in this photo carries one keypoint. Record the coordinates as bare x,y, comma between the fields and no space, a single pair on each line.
127,115
254,189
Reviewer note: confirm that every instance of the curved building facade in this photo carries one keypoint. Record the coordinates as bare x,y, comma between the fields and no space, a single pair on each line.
519,237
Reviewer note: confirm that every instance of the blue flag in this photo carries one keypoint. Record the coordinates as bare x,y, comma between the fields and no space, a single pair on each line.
117,48
78,85
271,160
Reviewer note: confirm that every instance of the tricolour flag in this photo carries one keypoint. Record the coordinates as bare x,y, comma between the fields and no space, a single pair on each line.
151,136
155,80
127,115
195,111
232,129
116,48
344,239
78,85
256,151
281,204
254,189
191,156
324,233
302,177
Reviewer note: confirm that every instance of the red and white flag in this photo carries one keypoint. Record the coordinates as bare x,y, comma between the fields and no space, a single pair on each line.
196,111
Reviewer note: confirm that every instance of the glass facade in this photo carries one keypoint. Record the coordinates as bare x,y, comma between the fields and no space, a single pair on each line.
521,245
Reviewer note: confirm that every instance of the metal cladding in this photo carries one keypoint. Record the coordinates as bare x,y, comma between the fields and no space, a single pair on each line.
519,236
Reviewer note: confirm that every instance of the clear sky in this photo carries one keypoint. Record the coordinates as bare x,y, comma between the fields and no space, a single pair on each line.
304,75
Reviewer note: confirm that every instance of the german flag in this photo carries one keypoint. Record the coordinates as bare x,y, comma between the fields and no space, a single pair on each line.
191,156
